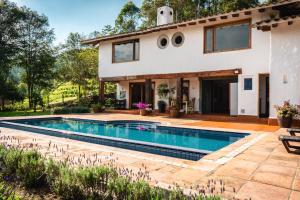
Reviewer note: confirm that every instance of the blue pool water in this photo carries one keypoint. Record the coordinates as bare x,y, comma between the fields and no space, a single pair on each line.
144,132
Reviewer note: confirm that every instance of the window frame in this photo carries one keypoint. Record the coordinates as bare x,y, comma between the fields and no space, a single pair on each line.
214,27
134,41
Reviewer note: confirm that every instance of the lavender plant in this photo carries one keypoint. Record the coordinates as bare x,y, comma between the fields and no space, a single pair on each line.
88,176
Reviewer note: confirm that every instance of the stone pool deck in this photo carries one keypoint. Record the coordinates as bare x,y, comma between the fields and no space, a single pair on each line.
256,167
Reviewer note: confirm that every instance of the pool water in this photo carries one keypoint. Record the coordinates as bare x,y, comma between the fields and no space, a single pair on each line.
144,132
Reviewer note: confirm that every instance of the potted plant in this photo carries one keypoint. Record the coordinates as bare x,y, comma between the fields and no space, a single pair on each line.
163,91
174,109
285,114
143,107
97,108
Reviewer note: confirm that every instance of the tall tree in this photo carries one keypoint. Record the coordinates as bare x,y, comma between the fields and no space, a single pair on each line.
128,18
76,63
36,54
10,17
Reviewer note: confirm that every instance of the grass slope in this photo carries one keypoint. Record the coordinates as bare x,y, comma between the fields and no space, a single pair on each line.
23,113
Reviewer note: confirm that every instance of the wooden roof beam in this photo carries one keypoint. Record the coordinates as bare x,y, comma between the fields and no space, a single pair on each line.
265,28
261,10
218,73
247,12
192,23
202,21
182,25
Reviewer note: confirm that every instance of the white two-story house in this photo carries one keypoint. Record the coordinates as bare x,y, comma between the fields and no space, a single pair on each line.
239,63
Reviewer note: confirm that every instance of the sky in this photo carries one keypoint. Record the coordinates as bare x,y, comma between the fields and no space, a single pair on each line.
83,16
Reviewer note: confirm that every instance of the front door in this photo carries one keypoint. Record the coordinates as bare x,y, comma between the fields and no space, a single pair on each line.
216,95
264,104
137,94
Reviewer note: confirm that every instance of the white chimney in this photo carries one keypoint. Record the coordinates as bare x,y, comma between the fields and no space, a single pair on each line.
164,15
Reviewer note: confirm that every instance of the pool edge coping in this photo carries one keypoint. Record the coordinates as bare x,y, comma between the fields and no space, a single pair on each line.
222,160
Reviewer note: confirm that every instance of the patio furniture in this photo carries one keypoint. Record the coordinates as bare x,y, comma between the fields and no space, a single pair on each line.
191,106
292,131
286,139
121,104
185,103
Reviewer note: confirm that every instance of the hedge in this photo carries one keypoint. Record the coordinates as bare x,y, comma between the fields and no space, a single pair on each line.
70,110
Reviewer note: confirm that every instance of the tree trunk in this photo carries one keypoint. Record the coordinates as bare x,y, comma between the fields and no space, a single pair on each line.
2,103
34,106
78,92
29,95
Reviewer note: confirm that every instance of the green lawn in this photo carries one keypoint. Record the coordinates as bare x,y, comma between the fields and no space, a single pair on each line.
23,113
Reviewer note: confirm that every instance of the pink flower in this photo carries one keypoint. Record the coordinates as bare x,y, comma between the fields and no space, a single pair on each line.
141,105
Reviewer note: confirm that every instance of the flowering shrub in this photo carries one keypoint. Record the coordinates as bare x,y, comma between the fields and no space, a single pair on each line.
286,110
83,182
142,105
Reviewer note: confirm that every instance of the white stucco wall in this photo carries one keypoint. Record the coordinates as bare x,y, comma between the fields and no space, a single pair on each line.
285,61
190,58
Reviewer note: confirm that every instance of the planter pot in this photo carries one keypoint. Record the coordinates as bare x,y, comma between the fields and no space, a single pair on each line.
174,113
162,107
143,112
285,122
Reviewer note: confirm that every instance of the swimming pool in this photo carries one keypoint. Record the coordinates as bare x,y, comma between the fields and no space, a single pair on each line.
149,137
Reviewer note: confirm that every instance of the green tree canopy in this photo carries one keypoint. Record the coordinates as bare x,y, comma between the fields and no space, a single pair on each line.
230,5
76,63
128,18
189,9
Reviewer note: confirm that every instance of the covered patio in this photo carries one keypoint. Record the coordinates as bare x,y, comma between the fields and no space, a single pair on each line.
208,91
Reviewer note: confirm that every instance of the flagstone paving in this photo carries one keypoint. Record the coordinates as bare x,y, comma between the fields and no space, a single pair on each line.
264,170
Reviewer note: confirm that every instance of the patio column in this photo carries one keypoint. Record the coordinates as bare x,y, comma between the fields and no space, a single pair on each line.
101,91
179,92
200,95
148,91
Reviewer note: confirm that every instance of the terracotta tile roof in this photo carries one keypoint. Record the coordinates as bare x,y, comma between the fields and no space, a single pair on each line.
201,20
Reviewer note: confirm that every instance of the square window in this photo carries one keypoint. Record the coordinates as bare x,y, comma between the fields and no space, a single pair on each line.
248,84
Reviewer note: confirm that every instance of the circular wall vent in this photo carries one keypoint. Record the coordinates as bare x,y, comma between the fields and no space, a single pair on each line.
163,41
178,39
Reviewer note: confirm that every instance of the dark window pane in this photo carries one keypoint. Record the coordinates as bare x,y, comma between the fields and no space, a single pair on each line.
137,51
178,39
248,84
125,52
209,40
232,37
163,42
